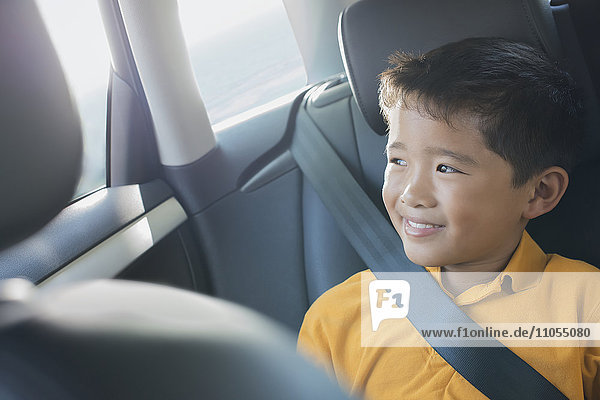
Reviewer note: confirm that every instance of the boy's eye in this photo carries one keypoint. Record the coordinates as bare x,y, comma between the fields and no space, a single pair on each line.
446,169
398,161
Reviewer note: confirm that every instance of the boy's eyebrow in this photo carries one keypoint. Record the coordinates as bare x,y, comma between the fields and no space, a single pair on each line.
463,158
437,151
395,145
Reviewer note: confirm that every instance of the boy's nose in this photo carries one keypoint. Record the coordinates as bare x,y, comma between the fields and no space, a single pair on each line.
418,193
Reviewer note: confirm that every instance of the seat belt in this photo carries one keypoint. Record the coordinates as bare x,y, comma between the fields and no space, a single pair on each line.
494,370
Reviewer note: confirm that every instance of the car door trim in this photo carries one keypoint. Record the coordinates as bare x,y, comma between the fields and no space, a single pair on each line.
115,253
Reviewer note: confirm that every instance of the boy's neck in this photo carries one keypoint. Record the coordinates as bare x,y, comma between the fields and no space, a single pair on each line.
496,265
456,281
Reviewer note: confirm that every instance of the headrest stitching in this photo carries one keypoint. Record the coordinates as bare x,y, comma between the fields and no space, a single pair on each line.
350,71
533,28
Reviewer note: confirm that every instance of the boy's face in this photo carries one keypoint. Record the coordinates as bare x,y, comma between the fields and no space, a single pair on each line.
451,199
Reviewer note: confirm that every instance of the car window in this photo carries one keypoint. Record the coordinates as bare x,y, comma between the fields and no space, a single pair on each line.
77,33
243,53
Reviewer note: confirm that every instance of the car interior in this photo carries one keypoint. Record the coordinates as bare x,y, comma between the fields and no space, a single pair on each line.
189,272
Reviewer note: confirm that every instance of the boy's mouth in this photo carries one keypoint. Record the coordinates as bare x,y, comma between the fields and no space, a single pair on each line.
420,228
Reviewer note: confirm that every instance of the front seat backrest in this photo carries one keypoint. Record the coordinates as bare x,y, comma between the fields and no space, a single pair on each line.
109,339
40,143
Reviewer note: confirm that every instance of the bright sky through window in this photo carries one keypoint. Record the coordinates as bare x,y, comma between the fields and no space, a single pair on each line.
243,53
203,19
78,35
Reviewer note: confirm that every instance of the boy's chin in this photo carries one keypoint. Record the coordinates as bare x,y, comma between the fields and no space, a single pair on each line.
425,260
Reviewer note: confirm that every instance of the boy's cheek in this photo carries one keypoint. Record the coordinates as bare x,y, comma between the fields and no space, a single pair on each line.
387,175
392,184
390,193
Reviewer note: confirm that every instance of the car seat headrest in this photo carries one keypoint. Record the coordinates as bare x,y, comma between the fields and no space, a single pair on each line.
371,30
41,143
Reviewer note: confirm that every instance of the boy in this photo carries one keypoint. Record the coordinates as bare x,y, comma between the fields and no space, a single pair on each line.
482,133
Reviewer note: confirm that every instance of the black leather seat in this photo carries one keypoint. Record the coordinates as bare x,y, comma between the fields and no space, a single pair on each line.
369,31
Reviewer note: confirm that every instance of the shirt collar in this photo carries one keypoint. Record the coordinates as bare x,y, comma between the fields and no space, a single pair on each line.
528,257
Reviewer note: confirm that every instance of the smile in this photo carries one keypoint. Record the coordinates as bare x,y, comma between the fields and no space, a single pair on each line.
421,228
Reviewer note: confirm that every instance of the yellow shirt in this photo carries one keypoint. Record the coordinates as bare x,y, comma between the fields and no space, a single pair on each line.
331,333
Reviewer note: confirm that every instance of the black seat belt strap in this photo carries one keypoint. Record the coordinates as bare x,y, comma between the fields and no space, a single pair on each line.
494,370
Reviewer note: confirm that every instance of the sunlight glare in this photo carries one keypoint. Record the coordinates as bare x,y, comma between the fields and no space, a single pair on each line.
78,36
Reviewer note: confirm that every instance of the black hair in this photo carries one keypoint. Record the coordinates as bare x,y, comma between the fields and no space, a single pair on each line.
526,108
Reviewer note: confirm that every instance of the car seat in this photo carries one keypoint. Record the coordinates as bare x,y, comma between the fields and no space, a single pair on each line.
369,31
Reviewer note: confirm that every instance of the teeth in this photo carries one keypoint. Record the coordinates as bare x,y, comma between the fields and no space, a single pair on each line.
422,226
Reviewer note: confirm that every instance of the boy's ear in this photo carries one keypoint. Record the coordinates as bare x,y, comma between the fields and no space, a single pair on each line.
547,190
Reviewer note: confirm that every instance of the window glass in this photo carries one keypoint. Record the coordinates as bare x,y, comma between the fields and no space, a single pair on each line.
76,30
243,53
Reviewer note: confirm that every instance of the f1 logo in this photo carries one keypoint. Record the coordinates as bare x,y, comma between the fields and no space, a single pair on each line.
389,299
